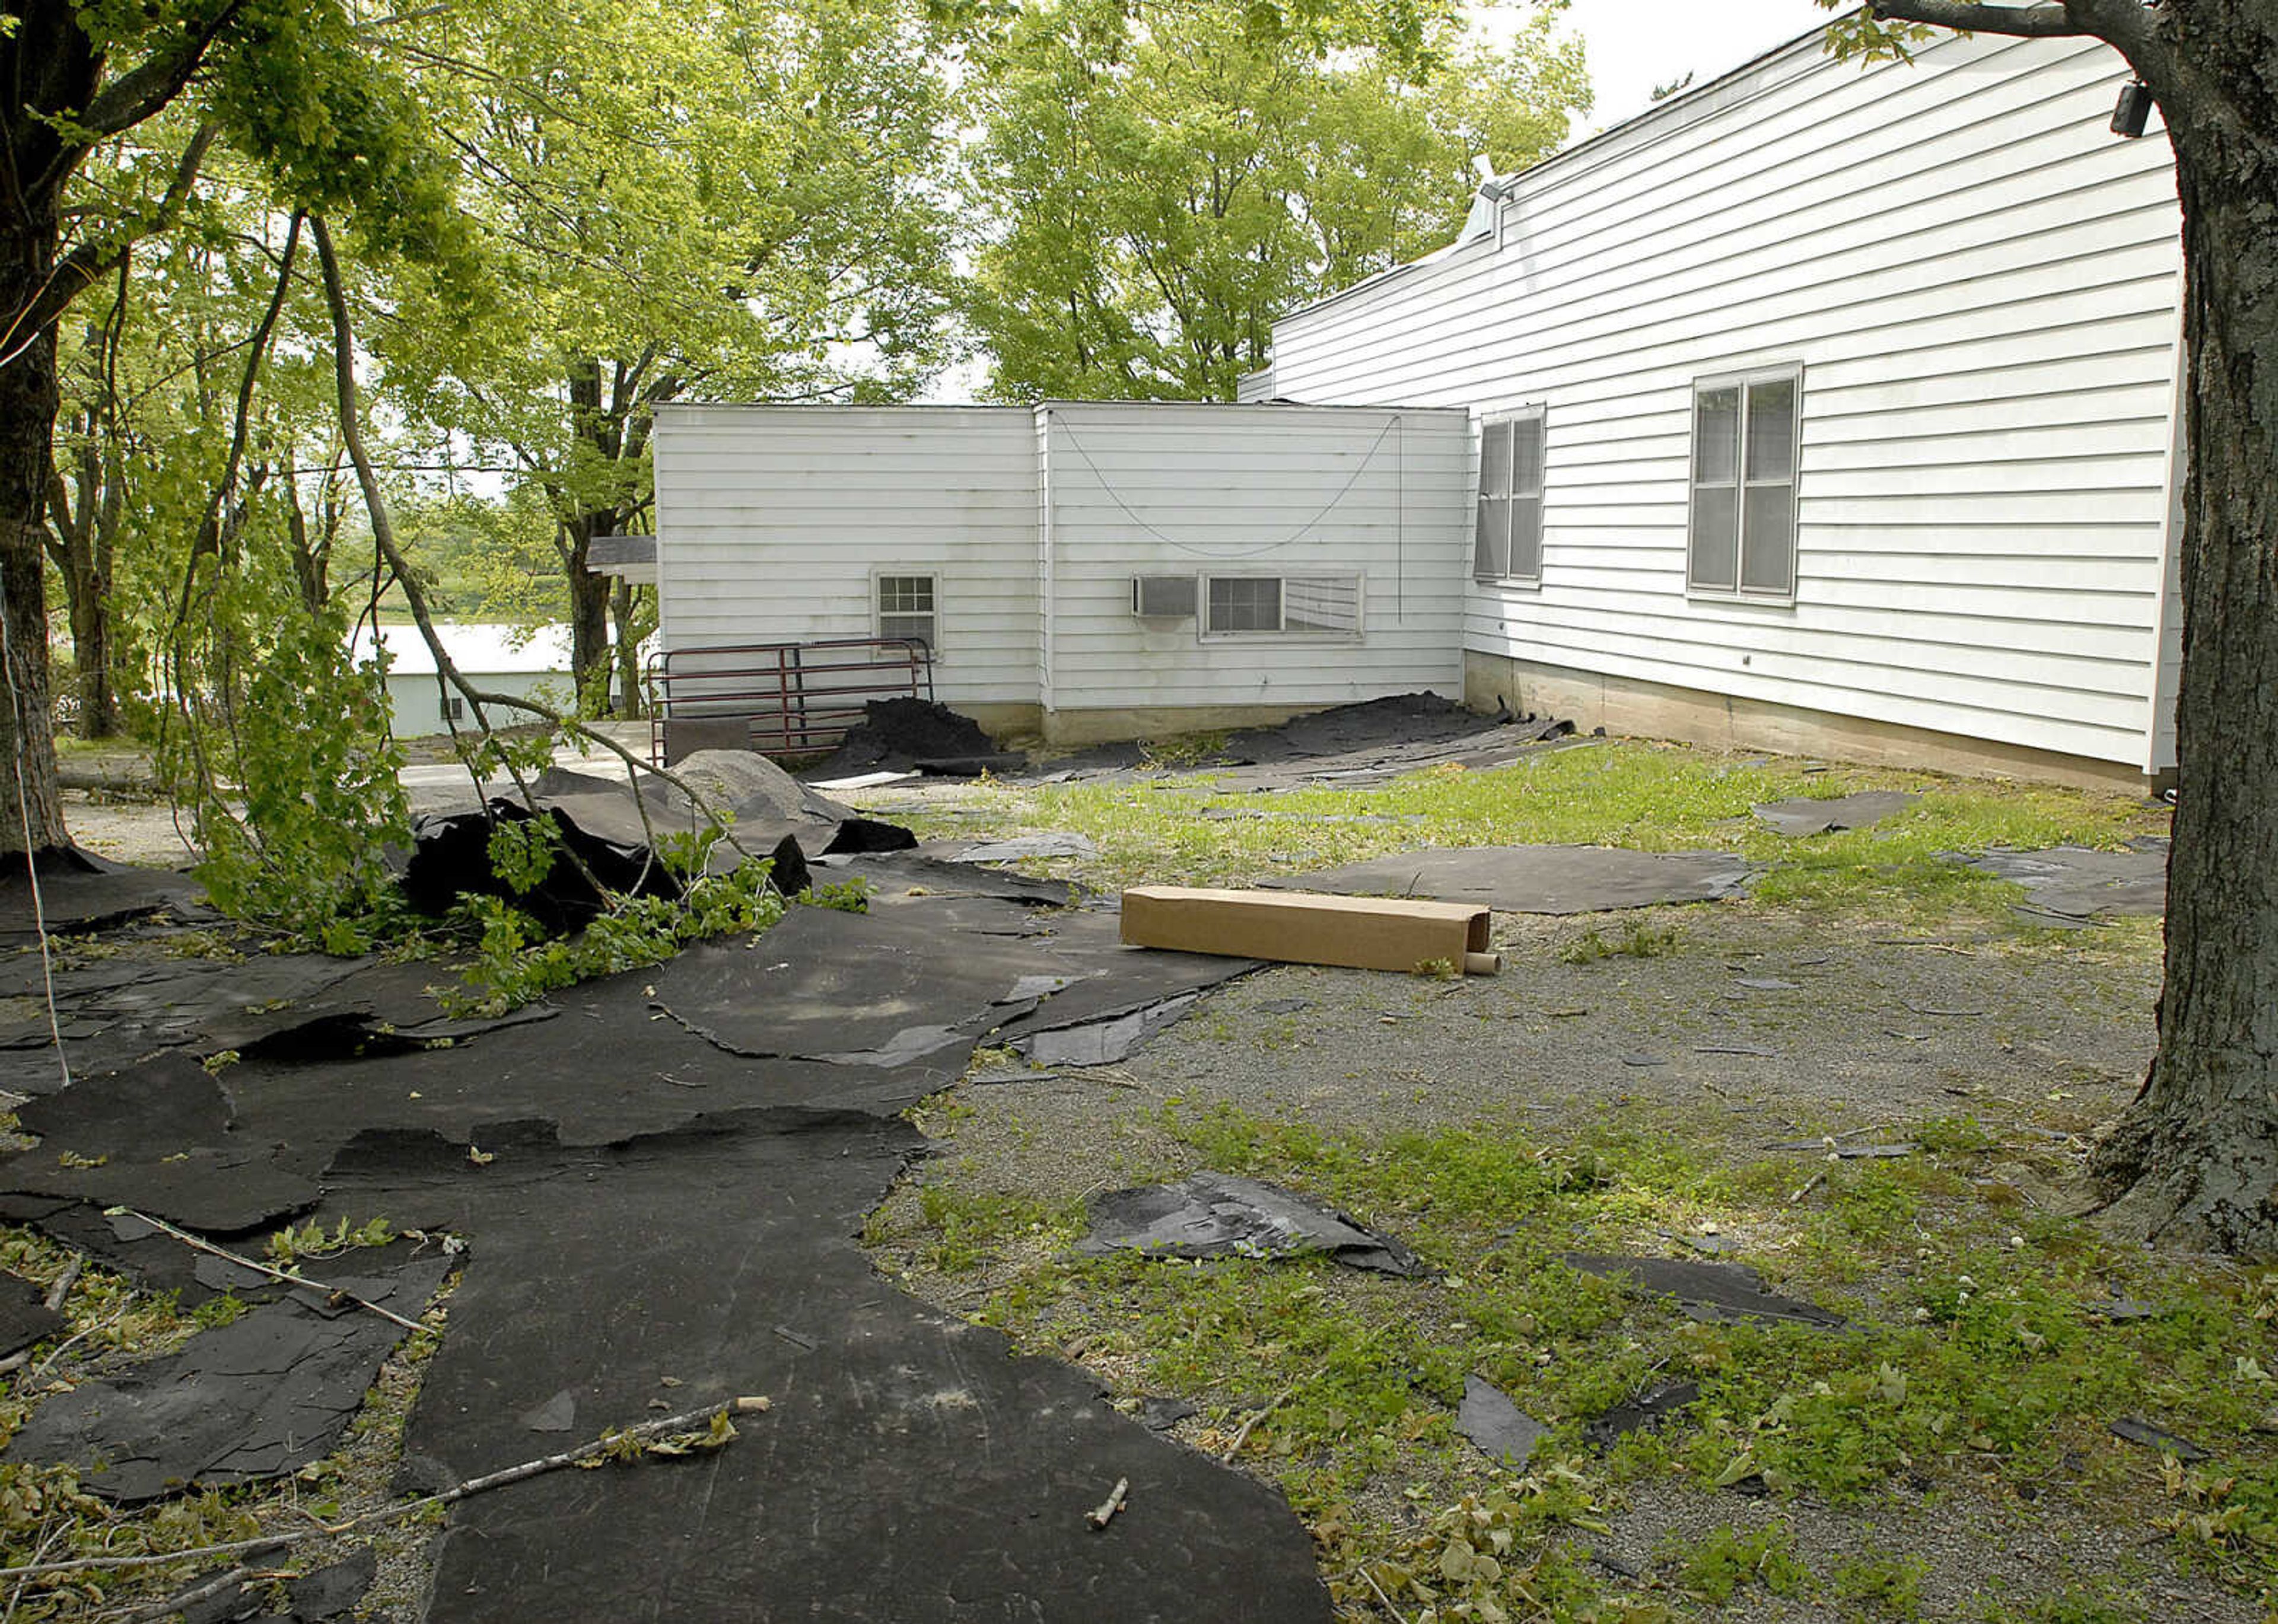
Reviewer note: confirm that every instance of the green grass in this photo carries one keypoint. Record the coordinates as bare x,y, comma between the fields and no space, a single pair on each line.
1649,797
1976,1360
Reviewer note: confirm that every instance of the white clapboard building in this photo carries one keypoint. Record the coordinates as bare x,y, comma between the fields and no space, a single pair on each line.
1093,571
1825,408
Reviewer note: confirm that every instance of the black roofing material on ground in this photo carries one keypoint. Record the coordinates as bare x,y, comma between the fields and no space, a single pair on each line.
1501,1430
1720,1293
1561,879
2134,1431
911,876
909,1468
906,735
648,1204
1349,744
1647,1412
1220,1215
24,1316
451,857
257,1398
1802,817
2072,885
80,892
827,983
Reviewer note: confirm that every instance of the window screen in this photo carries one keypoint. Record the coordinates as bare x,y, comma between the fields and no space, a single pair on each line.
1742,529
1324,606
905,608
1507,544
1245,603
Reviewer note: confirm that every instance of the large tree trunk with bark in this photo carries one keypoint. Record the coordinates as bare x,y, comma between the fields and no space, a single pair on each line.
2196,1158
31,808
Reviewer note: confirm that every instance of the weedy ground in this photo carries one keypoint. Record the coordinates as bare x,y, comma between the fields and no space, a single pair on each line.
46,1517
1950,1454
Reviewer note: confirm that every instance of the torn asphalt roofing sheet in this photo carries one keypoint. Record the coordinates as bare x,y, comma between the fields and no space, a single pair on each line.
80,892
2077,882
1537,878
649,1204
1803,816
259,1396
911,1467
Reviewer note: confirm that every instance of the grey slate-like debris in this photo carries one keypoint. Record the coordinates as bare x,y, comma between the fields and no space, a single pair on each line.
1221,1215
1804,816
1723,1294
2073,884
1105,1041
258,1398
24,1316
1501,1429
1645,1412
2134,1431
1561,879
331,1591
1064,843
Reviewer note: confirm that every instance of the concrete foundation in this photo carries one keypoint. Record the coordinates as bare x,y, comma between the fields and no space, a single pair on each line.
1652,710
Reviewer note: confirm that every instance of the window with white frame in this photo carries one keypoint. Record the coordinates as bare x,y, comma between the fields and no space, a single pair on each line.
1507,544
906,609
1741,539
1307,606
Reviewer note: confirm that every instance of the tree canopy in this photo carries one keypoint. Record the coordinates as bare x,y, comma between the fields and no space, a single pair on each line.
1157,183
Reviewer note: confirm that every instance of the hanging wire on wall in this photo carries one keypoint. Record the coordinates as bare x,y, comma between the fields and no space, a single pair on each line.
1249,550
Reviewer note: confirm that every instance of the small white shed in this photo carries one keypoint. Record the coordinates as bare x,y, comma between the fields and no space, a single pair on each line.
1088,570
1825,408
504,659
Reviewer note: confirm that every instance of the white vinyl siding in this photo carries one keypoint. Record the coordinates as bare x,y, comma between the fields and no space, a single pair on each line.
1348,528
781,524
1980,283
1024,544
1508,544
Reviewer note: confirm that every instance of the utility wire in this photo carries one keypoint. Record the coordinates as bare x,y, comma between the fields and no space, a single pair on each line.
1329,508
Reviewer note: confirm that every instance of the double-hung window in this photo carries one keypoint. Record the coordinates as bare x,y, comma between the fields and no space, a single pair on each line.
1507,544
1741,541
906,609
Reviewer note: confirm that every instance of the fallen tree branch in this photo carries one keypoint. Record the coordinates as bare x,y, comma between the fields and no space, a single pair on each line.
664,1427
202,1245
448,675
1102,1514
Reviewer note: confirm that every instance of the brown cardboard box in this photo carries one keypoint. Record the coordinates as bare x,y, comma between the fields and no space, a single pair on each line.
1307,927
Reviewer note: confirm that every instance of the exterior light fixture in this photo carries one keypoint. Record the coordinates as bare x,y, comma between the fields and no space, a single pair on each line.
2134,106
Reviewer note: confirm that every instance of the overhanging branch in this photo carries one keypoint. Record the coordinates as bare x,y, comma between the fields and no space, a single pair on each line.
2043,21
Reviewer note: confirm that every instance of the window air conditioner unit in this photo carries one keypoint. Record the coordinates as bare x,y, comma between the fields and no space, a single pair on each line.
1163,597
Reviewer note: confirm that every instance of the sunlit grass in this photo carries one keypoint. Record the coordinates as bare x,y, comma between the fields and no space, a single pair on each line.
1182,828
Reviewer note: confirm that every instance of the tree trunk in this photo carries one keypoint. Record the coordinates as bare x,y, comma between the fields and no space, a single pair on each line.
589,617
2196,1158
31,808
622,606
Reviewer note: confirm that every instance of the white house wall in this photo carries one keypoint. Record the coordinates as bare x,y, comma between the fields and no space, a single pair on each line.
1194,490
1980,284
775,522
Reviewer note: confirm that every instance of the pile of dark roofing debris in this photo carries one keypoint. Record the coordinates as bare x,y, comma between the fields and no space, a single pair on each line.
648,1188
1366,742
652,1183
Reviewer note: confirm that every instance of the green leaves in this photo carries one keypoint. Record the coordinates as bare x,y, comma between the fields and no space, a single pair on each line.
1163,182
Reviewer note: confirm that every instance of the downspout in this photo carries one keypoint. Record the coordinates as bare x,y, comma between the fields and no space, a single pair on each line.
1045,592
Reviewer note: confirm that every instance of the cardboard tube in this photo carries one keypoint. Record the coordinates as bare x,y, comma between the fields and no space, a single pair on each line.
1482,964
